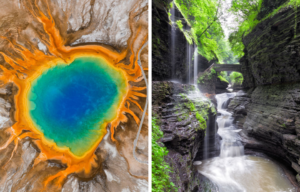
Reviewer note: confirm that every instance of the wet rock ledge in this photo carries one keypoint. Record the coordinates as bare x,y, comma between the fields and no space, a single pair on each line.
183,120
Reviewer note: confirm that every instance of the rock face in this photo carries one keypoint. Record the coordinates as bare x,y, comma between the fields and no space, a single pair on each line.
272,51
268,6
269,111
208,82
184,132
162,56
269,117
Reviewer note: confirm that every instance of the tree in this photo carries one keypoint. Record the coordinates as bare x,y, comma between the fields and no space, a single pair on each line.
203,17
245,12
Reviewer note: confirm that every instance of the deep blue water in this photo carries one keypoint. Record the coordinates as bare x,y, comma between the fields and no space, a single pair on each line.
70,103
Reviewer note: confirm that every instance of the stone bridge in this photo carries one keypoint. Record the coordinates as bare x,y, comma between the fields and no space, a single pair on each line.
227,67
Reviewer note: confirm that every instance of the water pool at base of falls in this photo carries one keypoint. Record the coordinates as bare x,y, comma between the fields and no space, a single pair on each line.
233,171
246,174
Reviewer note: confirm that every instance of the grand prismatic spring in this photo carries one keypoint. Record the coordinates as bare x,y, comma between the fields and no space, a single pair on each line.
75,102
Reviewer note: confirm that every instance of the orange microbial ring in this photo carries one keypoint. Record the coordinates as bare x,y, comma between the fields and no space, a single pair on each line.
31,64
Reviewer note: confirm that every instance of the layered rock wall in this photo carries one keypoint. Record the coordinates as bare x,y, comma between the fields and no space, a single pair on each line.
272,50
269,112
270,119
183,130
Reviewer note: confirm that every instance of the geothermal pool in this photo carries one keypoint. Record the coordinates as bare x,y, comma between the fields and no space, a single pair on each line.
71,104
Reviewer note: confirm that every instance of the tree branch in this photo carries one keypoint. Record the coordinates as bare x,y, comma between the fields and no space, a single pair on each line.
216,17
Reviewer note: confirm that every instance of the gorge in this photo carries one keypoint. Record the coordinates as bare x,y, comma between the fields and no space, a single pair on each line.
251,137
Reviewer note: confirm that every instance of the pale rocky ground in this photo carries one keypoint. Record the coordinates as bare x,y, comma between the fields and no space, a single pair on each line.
80,22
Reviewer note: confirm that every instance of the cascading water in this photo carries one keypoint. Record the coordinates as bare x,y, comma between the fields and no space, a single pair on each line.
189,61
230,146
173,40
195,64
233,171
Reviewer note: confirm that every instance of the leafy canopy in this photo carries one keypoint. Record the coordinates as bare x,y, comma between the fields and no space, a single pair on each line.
206,30
245,12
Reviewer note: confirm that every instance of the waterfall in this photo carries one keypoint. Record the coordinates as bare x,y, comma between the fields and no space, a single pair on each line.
187,61
230,146
206,144
232,170
195,64
173,42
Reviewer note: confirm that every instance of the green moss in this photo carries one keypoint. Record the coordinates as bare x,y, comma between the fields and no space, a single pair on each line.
192,106
222,79
179,24
183,96
185,116
158,41
157,19
188,36
213,71
213,110
179,119
202,122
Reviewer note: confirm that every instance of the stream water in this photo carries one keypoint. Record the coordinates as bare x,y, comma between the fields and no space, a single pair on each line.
233,171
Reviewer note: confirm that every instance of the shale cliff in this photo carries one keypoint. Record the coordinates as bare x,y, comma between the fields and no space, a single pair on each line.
184,120
269,110
272,50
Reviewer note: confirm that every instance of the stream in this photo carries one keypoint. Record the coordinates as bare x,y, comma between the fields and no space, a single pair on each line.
233,171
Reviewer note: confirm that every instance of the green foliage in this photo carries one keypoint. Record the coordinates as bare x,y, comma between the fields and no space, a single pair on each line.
206,30
246,12
188,36
236,78
207,76
213,71
201,120
222,79
295,3
192,106
179,119
160,169
179,24
225,76
200,115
